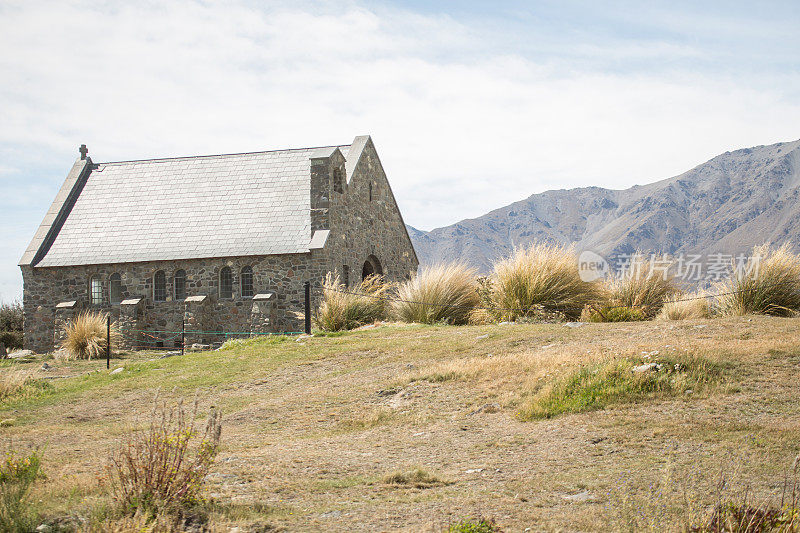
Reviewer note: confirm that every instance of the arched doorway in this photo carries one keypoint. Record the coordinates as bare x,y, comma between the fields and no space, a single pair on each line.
372,266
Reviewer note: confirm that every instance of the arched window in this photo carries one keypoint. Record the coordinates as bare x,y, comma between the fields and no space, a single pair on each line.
96,291
226,283
160,286
372,267
115,288
247,282
180,284
370,191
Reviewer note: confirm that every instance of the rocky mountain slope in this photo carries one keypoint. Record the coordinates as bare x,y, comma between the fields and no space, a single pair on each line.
727,205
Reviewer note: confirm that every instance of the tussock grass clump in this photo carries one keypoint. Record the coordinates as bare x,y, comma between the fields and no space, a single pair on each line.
253,342
643,285
19,382
686,307
162,469
85,336
622,381
417,478
17,475
350,307
543,278
769,284
438,294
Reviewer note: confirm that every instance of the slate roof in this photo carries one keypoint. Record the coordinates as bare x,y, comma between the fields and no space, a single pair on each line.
190,207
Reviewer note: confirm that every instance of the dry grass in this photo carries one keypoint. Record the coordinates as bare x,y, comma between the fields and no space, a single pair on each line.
438,294
642,285
769,285
85,336
306,445
686,306
345,307
13,381
541,278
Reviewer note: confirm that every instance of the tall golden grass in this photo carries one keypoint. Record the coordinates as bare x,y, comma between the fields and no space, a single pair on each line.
85,336
350,307
642,285
441,293
13,381
769,284
686,306
540,278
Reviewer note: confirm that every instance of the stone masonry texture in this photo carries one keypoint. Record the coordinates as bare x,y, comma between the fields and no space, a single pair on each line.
361,229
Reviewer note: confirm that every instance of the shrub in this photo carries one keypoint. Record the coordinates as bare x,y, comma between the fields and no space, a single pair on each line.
640,286
685,307
613,314
17,475
441,293
479,525
11,321
596,387
85,336
162,468
541,278
348,308
769,284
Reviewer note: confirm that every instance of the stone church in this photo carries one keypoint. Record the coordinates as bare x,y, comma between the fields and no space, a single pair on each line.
220,243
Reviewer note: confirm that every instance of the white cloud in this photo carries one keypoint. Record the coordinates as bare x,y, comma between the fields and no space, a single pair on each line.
462,124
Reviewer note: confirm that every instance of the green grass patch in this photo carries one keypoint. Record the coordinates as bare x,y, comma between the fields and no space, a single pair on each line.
253,342
470,525
617,382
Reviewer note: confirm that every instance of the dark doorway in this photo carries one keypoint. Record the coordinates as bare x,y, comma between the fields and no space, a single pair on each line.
371,267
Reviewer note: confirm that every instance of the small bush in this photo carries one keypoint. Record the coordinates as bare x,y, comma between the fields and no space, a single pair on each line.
18,382
613,314
479,525
351,307
540,279
162,469
17,475
85,336
417,478
640,286
11,321
685,307
614,382
438,294
769,284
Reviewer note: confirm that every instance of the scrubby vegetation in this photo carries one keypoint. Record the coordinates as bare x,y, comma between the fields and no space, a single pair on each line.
621,381
11,325
477,525
350,307
85,336
438,294
18,382
643,285
542,278
769,284
417,478
162,469
17,475
686,306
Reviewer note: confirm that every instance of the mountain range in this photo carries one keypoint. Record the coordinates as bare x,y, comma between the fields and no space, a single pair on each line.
727,205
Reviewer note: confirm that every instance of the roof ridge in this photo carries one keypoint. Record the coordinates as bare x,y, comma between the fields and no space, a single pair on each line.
218,155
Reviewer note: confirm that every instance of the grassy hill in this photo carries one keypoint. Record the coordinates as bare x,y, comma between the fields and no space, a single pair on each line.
539,426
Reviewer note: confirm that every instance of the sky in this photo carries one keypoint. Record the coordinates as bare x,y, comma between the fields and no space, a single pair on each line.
472,105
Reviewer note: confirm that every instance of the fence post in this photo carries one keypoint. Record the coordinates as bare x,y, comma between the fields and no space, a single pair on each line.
108,341
183,334
307,287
